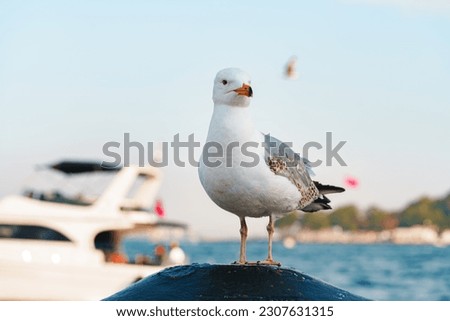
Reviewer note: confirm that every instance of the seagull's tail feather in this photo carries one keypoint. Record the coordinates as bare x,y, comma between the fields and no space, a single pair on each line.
328,189
318,205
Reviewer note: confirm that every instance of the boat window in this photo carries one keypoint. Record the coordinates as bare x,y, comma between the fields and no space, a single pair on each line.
57,197
106,241
30,232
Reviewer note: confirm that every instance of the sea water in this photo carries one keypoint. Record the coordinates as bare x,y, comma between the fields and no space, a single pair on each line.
376,271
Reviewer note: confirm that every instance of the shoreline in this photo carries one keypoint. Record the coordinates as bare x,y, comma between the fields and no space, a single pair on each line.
414,235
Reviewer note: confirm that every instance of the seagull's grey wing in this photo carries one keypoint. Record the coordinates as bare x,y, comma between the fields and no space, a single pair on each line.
282,160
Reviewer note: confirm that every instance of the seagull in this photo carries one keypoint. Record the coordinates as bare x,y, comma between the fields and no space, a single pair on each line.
291,68
251,174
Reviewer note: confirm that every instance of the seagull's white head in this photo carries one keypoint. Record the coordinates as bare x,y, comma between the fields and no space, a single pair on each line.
232,88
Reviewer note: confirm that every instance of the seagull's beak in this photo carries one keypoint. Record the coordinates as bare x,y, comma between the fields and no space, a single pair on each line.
245,90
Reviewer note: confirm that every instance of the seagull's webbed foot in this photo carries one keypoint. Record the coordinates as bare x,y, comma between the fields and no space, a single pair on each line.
239,263
268,262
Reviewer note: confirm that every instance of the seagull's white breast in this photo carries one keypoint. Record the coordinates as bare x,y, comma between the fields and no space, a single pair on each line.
253,191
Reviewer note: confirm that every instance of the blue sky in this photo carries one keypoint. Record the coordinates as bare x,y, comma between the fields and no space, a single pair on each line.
375,73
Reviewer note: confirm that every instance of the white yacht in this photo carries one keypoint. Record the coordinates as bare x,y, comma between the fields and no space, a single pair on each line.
55,246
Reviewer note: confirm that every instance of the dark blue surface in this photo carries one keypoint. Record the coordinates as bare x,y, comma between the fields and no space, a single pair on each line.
231,282
378,271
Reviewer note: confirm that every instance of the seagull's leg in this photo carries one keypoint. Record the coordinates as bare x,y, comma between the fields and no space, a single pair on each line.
270,231
243,231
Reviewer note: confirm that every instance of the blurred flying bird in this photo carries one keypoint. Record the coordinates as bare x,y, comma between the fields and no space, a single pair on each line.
291,68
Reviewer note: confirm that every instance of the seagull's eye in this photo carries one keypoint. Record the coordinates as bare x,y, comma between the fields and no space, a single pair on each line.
224,82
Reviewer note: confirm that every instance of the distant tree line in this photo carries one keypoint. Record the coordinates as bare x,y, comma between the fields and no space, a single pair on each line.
424,211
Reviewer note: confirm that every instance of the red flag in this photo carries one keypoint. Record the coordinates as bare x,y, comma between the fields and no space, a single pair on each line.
351,182
159,208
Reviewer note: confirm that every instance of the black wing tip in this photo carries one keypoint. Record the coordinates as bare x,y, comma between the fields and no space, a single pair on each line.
322,202
328,189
